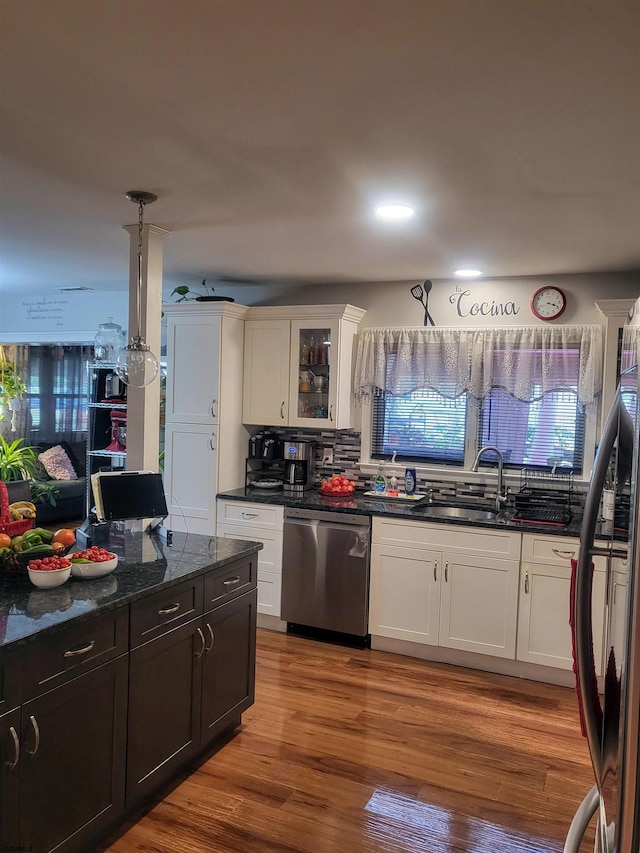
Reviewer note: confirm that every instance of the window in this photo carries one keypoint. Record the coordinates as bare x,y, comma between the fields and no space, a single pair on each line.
422,426
440,395
546,432
57,392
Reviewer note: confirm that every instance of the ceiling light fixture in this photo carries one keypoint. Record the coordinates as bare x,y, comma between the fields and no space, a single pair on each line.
137,365
467,273
394,212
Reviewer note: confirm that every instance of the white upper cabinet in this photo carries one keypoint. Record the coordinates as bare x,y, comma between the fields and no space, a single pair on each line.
297,365
266,372
193,359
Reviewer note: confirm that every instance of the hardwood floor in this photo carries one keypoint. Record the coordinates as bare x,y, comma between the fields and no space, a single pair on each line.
357,751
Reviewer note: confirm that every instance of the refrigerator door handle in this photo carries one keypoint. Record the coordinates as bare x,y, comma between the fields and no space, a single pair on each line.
585,667
580,822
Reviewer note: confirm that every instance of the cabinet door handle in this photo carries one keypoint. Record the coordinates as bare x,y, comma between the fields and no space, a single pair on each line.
435,570
209,647
282,409
250,515
446,572
564,555
331,412
203,644
211,441
71,653
526,583
16,749
165,611
212,407
36,732
231,581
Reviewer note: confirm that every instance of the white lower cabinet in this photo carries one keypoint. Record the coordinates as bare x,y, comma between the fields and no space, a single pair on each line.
258,523
618,626
189,486
443,585
544,633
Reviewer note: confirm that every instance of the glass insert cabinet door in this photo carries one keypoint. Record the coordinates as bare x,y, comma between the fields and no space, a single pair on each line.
313,375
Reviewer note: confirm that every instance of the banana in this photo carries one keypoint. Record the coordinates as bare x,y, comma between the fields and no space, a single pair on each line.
19,505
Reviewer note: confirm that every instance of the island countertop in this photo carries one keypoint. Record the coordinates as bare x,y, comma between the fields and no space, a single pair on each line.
145,564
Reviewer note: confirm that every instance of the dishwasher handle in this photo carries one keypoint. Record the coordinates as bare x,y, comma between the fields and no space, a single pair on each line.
304,516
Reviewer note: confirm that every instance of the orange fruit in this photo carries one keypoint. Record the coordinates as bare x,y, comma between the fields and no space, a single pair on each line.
64,537
5,540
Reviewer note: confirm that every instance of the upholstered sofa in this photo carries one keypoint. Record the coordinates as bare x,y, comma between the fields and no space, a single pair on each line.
70,497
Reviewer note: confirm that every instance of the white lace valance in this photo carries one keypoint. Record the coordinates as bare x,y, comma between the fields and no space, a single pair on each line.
527,362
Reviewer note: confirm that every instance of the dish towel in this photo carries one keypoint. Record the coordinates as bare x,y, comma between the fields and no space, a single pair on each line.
594,699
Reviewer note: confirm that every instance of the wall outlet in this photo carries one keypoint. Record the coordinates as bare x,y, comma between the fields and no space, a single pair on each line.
327,456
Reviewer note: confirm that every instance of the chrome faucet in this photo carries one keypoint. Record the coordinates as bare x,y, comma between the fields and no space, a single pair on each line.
501,495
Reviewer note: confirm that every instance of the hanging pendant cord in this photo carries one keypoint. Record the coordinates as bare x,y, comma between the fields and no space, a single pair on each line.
139,288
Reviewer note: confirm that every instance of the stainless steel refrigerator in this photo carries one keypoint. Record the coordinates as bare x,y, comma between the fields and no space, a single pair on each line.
611,718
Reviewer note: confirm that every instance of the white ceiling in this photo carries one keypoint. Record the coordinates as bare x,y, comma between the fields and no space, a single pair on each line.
269,129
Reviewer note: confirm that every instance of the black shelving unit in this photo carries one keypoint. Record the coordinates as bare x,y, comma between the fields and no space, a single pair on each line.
100,431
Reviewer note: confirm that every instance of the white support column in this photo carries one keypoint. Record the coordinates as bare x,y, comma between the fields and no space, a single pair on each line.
143,404
615,312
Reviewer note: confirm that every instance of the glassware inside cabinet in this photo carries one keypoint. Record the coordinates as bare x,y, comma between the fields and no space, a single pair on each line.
314,376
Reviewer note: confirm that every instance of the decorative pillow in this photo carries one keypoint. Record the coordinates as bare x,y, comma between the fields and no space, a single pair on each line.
57,464
70,450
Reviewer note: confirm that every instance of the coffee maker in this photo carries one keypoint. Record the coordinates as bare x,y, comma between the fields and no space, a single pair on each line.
299,465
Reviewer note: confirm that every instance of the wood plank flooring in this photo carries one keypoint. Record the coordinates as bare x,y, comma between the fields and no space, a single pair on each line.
357,751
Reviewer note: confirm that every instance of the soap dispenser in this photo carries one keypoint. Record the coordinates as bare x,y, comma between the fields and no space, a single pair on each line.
380,483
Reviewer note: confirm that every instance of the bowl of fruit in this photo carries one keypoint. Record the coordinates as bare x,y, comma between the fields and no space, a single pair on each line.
49,572
337,487
93,562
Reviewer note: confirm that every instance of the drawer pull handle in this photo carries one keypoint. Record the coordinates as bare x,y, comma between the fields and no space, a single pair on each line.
166,611
250,514
72,653
282,410
446,572
211,441
203,644
564,555
16,749
435,570
526,583
231,581
36,731
212,408
209,647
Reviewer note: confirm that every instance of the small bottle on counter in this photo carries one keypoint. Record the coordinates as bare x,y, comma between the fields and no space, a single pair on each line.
392,487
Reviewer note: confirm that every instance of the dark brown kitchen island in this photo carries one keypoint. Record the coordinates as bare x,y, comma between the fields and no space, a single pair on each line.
110,688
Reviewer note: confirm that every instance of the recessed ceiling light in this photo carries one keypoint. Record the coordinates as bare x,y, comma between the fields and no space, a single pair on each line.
467,273
394,212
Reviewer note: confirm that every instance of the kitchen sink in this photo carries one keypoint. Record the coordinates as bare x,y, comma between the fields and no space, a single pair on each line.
467,513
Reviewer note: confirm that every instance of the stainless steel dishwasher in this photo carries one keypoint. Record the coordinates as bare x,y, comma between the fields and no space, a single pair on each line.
325,570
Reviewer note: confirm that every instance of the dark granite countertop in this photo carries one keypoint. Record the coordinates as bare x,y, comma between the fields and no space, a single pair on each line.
146,564
371,506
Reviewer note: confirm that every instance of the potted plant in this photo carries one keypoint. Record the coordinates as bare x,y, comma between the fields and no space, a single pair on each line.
17,462
20,462
12,388
185,294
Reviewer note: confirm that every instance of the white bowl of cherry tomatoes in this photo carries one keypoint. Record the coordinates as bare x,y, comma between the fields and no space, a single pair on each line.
49,572
93,562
